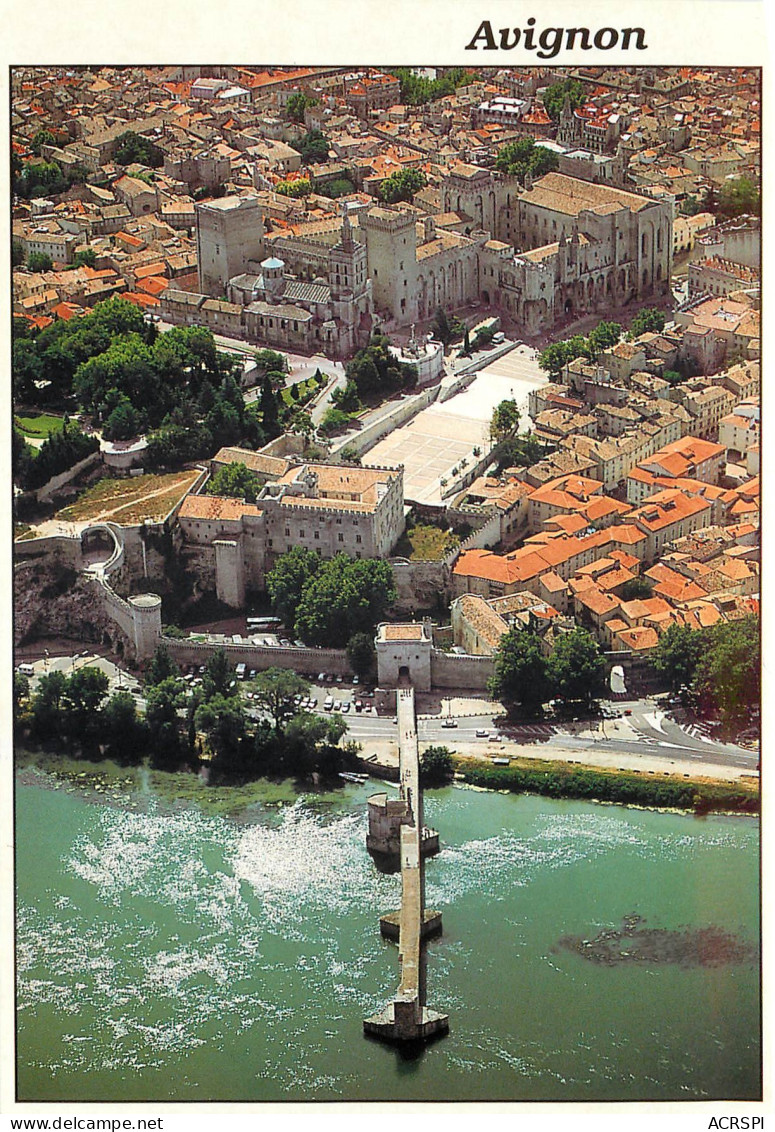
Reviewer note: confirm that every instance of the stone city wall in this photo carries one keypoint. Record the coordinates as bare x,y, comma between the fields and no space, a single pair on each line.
404,411
43,494
451,670
307,661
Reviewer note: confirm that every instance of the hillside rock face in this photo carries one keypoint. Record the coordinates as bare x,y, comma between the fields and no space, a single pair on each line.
53,601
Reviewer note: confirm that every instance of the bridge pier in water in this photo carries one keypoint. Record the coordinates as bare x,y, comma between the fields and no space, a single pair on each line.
397,836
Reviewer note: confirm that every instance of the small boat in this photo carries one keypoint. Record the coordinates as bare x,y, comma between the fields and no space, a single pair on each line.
348,776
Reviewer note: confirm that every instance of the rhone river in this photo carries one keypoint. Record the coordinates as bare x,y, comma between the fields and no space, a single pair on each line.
177,956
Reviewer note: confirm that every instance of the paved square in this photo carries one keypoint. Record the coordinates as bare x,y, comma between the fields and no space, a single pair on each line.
438,438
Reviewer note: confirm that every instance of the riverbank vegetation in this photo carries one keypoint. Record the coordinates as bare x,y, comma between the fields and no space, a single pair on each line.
631,788
187,728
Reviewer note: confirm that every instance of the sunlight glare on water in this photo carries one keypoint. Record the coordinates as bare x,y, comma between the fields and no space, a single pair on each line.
179,955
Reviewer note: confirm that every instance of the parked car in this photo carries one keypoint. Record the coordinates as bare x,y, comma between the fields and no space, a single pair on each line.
449,723
345,705
482,733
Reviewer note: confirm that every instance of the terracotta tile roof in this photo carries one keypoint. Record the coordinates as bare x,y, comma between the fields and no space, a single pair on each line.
216,508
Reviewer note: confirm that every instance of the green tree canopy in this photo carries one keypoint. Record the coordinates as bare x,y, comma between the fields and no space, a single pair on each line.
236,481
219,678
345,596
133,149
727,678
576,667
160,667
163,725
313,147
271,361
86,257
505,420
297,104
648,320
287,580
39,261
739,197
299,187
436,766
520,679
554,96
122,729
361,654
401,185
523,156
274,690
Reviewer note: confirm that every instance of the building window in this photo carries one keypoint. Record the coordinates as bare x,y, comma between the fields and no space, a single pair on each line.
340,537
317,534
287,531
358,538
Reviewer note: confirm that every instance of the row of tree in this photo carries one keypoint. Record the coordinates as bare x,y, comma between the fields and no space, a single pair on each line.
525,678
605,335
182,726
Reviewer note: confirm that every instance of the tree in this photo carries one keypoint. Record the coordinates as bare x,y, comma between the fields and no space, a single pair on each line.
523,156
163,724
287,580
334,420
161,667
299,187
17,253
297,104
555,357
219,678
313,147
86,257
122,730
604,336
42,137
361,654
555,95
271,361
133,149
222,719
576,667
401,185
235,481
677,654
436,766
124,420
346,596
636,589
39,261
417,90
727,677
21,690
47,705
83,697
519,452
275,690
339,187
505,420
739,197
520,679
651,319
447,328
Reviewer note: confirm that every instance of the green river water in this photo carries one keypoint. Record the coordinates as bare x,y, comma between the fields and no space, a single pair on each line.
177,956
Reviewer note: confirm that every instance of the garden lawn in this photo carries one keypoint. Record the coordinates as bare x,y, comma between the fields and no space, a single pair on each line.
40,426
